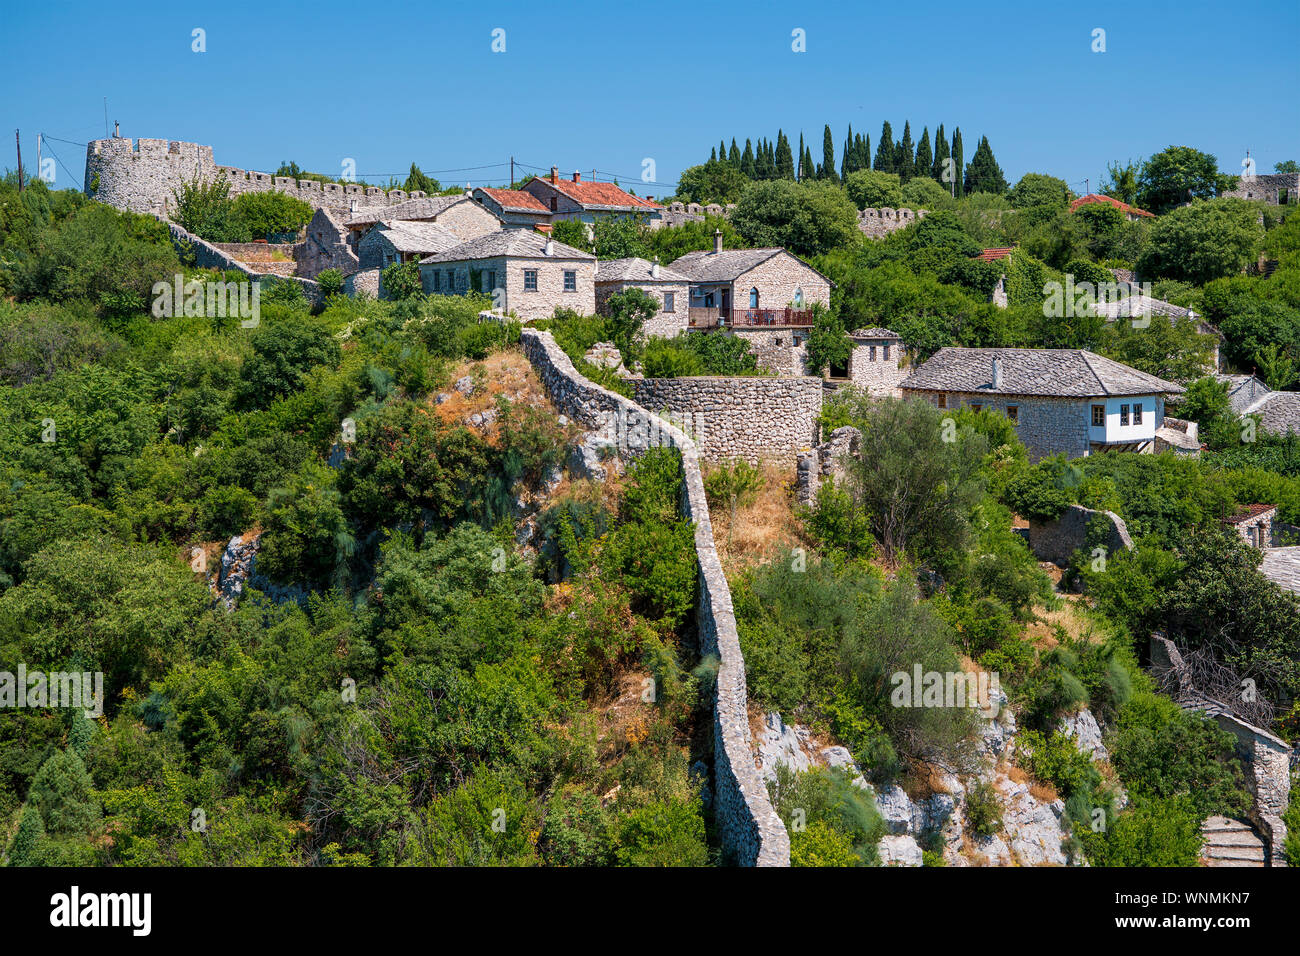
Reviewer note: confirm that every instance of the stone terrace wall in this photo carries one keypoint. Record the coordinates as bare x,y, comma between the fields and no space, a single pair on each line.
752,417
141,175
751,832
208,256
1057,540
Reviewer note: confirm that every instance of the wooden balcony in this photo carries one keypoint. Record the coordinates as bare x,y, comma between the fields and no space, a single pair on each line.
709,317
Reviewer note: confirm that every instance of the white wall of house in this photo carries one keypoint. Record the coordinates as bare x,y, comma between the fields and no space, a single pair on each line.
1121,423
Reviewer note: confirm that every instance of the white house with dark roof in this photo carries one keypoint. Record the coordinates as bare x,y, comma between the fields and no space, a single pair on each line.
527,273
1068,401
669,288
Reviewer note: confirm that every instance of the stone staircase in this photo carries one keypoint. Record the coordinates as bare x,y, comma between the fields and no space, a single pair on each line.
1231,843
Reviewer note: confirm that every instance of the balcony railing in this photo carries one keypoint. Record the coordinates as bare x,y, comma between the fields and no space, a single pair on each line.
708,317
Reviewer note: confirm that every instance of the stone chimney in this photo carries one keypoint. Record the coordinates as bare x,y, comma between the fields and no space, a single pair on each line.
577,176
717,241
654,268
997,373
549,248
555,174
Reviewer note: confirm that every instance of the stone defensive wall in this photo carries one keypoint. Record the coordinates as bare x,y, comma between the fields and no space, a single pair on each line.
750,831
751,417
878,223
141,175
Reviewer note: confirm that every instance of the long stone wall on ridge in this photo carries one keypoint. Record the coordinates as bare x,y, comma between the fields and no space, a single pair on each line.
750,831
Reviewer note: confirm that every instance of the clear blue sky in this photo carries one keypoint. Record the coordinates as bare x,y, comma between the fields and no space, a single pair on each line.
605,86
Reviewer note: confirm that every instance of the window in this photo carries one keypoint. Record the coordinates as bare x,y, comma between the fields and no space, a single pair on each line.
976,406
437,280
943,400
451,280
871,353
1098,416
753,298
798,298
669,304
491,280
885,348
530,280
1013,413
1123,414
552,204
570,280
1137,414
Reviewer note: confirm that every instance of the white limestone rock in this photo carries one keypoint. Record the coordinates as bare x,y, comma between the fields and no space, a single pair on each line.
1083,727
781,743
899,850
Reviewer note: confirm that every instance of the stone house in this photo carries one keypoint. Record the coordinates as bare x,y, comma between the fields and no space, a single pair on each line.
751,288
1131,213
1069,401
878,362
326,245
526,272
1137,306
403,241
1254,524
514,207
668,288
460,214
1276,189
588,201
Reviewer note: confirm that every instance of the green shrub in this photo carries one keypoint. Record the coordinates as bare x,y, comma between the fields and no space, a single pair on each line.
983,810
331,282
226,510
663,833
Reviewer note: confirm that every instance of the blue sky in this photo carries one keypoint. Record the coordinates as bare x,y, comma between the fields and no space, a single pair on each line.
609,85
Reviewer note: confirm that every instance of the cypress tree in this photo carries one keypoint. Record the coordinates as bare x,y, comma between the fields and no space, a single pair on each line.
957,159
26,848
941,152
885,150
747,161
722,149
864,152
784,158
713,154
828,155
924,158
906,153
983,175
61,791
733,156
809,170
846,155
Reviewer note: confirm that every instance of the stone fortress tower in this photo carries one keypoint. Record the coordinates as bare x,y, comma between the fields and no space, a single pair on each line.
141,175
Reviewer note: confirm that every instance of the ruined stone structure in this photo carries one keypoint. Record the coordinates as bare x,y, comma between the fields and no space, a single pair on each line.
141,175
754,418
1056,541
825,461
207,255
1276,189
878,223
783,351
679,213
749,829
1266,756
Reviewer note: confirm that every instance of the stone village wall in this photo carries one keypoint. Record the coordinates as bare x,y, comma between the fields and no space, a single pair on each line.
751,417
209,256
750,831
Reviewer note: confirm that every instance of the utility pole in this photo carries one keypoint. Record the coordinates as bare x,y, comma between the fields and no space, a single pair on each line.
1087,186
19,143
512,172
38,154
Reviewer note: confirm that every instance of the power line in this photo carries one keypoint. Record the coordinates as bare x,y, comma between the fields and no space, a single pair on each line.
61,163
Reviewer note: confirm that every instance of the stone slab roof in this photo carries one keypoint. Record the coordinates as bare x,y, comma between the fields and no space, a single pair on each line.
1282,567
513,243
1064,373
1279,412
635,269
1139,305
427,208
425,237
874,333
724,266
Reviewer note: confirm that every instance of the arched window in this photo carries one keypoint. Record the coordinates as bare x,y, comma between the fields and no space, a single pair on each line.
753,298
798,297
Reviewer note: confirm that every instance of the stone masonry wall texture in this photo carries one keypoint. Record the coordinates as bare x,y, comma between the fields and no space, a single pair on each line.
751,832
753,418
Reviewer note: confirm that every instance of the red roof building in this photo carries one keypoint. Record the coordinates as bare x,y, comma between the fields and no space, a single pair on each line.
1130,212
587,201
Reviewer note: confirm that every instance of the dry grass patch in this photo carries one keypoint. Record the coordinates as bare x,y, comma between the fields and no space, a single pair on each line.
762,527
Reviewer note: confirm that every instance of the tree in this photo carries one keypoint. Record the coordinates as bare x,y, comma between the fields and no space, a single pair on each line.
924,155
733,155
206,209
869,189
1176,175
885,156
1288,167
958,155
416,180
829,346
1203,241
924,193
283,352
1171,349
784,158
747,161
984,175
805,218
715,181
827,170
268,214
906,154
1038,190
627,312
1122,181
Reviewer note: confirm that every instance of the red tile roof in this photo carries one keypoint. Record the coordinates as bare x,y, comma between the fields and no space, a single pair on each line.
599,194
1248,513
515,199
1111,200
993,255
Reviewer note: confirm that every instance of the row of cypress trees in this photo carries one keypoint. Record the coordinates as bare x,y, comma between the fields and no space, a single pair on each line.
942,161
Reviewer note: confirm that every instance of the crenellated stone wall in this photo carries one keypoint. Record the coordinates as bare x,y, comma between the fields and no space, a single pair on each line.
750,831
753,417
878,223
141,175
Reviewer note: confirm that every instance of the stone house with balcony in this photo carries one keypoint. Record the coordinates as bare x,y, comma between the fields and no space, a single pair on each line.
751,288
670,289
527,273
588,201
1068,401
517,208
